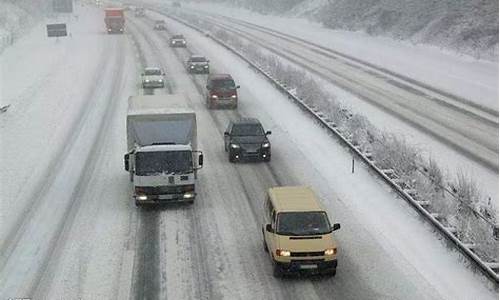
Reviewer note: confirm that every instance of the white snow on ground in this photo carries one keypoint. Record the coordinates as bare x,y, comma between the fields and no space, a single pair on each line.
46,82
464,76
411,242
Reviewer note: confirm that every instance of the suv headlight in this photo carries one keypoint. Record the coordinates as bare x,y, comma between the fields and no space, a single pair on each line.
188,195
282,252
206,66
331,251
266,145
235,146
142,197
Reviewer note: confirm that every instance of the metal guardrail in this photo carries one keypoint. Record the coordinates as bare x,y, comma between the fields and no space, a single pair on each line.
485,267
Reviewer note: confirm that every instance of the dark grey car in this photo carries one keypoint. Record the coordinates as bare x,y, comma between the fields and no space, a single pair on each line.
245,139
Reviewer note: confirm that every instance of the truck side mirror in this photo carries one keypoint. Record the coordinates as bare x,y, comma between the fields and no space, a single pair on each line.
200,160
126,160
336,226
269,228
268,132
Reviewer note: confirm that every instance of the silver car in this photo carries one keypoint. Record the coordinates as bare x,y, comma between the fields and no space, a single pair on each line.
153,77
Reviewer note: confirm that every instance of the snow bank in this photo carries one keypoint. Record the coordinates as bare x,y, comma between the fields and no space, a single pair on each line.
18,16
469,27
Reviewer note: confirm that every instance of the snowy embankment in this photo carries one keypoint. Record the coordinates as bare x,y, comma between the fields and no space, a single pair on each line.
15,20
461,75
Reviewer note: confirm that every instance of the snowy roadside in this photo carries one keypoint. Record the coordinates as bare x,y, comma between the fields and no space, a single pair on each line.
43,109
475,80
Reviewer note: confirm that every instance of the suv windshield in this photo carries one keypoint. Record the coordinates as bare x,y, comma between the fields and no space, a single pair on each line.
224,84
172,162
180,37
247,129
197,59
161,22
152,72
302,223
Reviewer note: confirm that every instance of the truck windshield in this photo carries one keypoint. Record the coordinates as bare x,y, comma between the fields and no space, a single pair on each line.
302,223
168,162
247,130
152,72
224,84
197,59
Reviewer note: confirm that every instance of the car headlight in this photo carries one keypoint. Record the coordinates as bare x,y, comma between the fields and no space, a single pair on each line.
234,146
160,80
214,97
183,42
142,197
233,96
266,145
173,42
188,195
192,67
147,80
331,251
281,252
205,66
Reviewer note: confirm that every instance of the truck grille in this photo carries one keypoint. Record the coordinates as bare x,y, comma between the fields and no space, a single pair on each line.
162,190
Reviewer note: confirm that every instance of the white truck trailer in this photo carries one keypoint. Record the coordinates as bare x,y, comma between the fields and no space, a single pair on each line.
162,156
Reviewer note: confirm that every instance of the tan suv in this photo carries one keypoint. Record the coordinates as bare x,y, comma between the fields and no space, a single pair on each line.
297,232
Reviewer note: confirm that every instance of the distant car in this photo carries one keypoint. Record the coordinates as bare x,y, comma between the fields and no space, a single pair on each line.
198,64
221,91
153,77
176,4
178,40
245,139
160,25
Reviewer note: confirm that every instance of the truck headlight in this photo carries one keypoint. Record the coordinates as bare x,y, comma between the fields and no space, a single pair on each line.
234,146
281,252
142,197
331,251
188,195
266,145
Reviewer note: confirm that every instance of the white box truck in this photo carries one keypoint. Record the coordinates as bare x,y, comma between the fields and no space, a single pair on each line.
162,156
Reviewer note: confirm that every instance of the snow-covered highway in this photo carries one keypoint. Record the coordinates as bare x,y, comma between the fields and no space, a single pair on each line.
70,229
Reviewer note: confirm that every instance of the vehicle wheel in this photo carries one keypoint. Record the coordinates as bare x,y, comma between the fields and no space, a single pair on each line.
264,243
190,202
267,159
231,159
332,273
277,271
137,204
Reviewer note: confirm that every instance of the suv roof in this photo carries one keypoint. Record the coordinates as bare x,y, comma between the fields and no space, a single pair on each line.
219,76
294,198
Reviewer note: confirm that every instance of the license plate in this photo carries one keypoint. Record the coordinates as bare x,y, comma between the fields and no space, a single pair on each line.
166,197
307,267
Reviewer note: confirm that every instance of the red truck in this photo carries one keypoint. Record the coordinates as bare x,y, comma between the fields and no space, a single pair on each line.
115,20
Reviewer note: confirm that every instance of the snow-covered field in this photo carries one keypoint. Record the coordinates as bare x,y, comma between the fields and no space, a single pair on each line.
69,229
